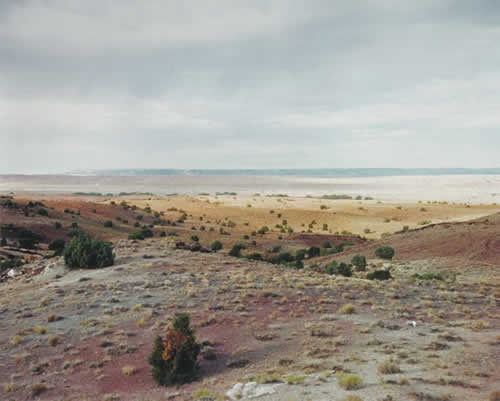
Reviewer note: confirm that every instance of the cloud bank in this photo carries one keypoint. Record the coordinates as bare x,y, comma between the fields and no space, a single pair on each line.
254,84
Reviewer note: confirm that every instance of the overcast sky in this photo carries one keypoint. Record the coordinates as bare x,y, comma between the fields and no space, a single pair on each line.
95,84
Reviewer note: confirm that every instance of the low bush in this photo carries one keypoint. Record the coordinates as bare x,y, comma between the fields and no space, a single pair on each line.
108,223
379,275
359,261
236,250
43,212
428,276
216,245
388,367
90,253
174,358
327,244
313,251
195,238
28,239
342,269
385,252
136,235
57,246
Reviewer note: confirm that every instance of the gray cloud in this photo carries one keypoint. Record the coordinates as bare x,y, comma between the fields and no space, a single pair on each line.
195,84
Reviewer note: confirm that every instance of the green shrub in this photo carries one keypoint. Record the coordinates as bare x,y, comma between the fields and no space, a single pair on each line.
58,246
195,238
263,230
327,244
385,252
3,242
10,264
313,251
58,225
379,275
108,223
359,261
342,269
89,253
28,239
428,276
147,232
255,256
216,245
136,235
163,234
236,250
43,212
300,254
174,358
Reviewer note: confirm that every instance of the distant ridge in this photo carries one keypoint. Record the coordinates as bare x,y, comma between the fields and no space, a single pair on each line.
320,173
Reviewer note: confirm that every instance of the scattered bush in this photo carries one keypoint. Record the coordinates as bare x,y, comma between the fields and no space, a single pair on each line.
236,250
136,235
216,245
313,251
428,276
342,269
379,275
359,261
174,358
28,239
90,253
385,252
58,246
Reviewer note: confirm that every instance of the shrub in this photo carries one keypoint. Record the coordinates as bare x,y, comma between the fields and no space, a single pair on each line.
300,254
136,235
359,261
43,212
174,358
87,252
255,256
216,245
147,232
379,275
428,276
327,244
313,252
285,257
342,269
236,250
58,225
263,230
163,234
28,239
385,252
58,246
195,238
3,242
108,223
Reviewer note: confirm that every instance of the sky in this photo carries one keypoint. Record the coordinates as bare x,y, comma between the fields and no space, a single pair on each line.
100,84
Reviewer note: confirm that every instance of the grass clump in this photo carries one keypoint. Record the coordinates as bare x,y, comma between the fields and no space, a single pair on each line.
295,379
129,370
349,381
348,309
388,367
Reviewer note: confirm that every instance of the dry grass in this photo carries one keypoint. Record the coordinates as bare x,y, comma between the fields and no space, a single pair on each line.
349,381
129,370
388,367
347,309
